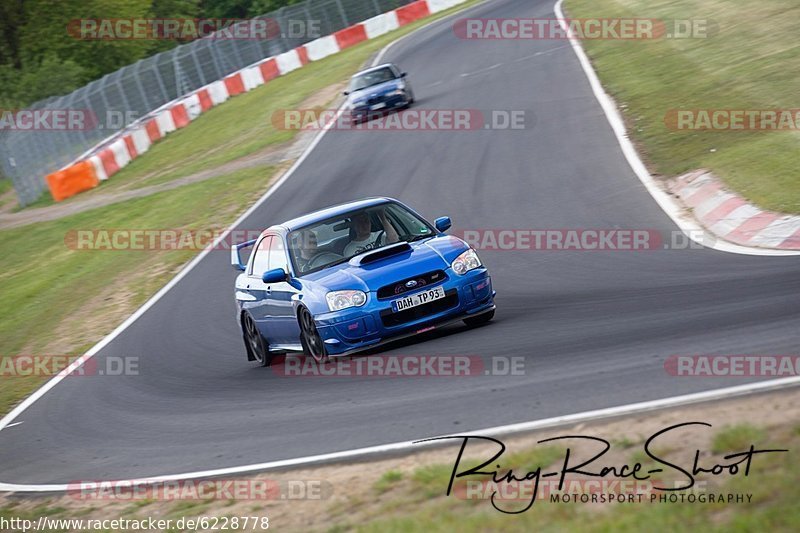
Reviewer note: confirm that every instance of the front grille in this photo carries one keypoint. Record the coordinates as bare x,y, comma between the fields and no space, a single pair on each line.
399,287
391,319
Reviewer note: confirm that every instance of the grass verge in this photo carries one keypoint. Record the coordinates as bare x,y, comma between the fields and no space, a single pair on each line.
748,61
59,301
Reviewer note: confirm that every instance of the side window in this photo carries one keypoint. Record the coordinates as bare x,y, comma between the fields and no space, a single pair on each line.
261,259
277,255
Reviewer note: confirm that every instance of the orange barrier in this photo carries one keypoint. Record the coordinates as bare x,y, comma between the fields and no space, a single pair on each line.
234,84
179,116
269,70
152,130
205,100
131,147
72,180
302,53
349,36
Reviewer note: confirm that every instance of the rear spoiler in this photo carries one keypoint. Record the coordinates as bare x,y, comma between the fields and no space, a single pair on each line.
236,257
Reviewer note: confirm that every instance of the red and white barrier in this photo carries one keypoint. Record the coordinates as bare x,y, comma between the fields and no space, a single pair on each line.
114,156
194,107
434,6
141,141
377,26
322,47
165,122
288,61
252,78
218,92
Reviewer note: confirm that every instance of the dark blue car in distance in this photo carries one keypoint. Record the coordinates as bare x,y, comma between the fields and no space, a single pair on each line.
353,276
376,91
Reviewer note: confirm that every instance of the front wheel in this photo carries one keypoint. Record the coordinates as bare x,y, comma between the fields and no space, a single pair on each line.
255,343
479,320
310,339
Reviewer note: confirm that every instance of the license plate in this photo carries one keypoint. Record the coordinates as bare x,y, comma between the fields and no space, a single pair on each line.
378,106
418,298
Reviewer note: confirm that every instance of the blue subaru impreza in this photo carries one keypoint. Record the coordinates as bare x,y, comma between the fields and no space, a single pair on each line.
353,276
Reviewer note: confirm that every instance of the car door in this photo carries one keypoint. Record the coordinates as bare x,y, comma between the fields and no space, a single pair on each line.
283,323
254,294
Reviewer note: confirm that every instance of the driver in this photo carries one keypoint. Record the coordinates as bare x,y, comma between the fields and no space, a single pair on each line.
365,239
308,247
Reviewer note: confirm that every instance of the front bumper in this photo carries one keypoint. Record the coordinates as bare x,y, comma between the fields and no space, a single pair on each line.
351,330
364,112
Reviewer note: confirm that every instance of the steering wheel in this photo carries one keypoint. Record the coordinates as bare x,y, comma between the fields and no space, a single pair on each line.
322,259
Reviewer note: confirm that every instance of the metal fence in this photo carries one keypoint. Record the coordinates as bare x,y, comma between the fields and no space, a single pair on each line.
135,90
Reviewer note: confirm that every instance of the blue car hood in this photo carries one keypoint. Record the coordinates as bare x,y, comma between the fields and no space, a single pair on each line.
433,254
378,90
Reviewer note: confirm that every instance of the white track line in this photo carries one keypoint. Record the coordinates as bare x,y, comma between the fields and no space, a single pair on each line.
362,453
673,209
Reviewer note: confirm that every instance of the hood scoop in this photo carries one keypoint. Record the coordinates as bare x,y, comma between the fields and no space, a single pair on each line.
380,253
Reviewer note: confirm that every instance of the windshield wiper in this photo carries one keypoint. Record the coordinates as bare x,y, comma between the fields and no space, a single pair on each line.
419,237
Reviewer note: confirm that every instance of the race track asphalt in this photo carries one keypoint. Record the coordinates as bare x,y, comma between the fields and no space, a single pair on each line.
594,327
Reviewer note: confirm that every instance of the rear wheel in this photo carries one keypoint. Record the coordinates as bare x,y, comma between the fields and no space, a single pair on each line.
256,345
479,320
309,337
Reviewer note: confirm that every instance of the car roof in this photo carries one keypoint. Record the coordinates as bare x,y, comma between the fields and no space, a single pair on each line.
377,67
328,212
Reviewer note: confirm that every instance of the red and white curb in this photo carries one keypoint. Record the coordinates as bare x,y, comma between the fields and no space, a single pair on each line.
729,216
666,200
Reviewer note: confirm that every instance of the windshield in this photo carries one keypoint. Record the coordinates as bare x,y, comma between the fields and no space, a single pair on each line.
373,77
345,236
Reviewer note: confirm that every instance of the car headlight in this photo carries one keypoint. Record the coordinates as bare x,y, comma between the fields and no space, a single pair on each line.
397,92
465,262
338,300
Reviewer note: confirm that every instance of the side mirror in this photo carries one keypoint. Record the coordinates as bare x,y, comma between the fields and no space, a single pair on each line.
276,275
346,93
403,74
443,223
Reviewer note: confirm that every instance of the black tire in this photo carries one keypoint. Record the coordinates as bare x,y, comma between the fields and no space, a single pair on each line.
479,320
309,337
257,347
